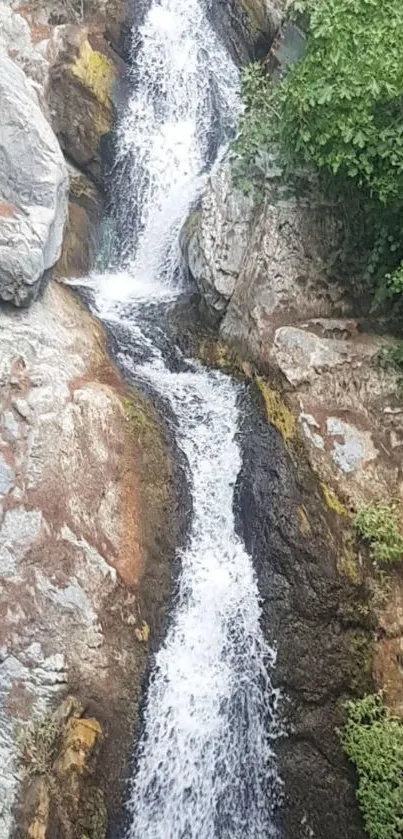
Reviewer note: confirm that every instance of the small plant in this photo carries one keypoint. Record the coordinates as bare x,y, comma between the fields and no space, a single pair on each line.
392,358
373,740
379,526
37,742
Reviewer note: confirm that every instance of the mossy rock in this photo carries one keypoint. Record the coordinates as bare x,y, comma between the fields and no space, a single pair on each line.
97,73
332,501
277,411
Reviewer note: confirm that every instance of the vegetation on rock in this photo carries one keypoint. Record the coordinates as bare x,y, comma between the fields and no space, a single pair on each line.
277,411
339,112
379,525
373,740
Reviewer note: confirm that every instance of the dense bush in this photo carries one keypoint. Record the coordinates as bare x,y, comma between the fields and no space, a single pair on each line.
379,526
373,740
342,106
340,110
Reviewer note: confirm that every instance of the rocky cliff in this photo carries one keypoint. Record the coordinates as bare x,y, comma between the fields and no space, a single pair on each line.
272,282
86,497
87,512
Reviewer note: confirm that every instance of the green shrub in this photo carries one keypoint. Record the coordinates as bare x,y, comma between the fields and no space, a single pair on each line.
379,526
342,105
340,111
373,740
251,150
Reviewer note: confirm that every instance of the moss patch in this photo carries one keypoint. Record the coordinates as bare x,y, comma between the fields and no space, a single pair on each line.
277,411
348,564
332,501
96,72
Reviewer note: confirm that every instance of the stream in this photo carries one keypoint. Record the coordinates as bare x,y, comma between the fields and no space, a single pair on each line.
204,766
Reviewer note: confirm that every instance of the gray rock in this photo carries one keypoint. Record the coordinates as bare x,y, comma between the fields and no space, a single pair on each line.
33,189
216,240
11,427
285,276
7,477
260,268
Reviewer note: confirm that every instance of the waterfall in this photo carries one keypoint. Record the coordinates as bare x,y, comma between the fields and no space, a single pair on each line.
204,767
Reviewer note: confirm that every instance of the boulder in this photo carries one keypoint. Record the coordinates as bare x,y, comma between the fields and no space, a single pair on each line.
81,80
33,189
258,268
215,240
348,406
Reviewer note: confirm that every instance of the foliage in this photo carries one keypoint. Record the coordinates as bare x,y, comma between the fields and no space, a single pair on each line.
342,106
392,357
373,740
379,526
340,111
250,153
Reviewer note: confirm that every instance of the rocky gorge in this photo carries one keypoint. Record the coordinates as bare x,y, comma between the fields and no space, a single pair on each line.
93,506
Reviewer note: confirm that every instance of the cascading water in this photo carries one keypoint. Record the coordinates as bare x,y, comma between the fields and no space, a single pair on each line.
204,768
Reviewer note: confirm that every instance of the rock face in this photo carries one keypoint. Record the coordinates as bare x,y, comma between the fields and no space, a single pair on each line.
267,276
33,189
265,266
83,465
296,543
216,240
248,26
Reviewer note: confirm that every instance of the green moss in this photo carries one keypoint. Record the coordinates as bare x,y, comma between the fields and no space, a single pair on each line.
332,501
93,817
96,72
277,411
348,565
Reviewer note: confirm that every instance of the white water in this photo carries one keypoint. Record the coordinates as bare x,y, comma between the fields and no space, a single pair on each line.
204,769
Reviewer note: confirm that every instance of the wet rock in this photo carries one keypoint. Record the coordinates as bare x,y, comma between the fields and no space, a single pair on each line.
78,249
33,189
118,19
82,74
81,236
296,543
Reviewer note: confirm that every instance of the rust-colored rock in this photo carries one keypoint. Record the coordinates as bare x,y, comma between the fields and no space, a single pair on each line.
80,738
86,532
